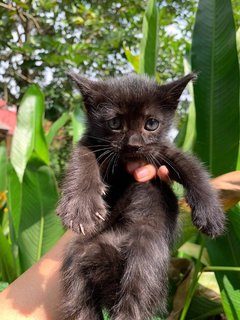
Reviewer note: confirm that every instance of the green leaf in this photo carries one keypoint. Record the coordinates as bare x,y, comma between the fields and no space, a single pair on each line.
39,227
29,136
225,252
238,42
214,57
7,265
3,285
235,220
56,126
48,5
14,202
238,162
149,43
186,135
105,315
191,121
203,308
132,59
193,250
3,168
78,119
194,283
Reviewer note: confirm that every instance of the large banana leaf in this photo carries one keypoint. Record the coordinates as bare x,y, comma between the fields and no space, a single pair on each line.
29,136
39,226
149,43
32,187
214,57
238,49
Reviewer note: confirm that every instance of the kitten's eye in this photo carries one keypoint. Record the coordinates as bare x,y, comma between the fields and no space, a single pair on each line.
115,123
151,124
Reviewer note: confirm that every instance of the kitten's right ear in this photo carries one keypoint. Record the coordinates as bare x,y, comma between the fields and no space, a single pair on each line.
88,88
173,90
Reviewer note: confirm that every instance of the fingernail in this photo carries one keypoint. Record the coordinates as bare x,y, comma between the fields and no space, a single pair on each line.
163,174
141,172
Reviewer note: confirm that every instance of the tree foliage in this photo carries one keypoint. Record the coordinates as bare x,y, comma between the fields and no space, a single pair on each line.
44,39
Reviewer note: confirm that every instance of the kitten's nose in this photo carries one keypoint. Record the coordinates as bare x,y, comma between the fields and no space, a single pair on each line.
135,140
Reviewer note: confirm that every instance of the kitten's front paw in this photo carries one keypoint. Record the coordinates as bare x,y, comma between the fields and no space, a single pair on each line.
210,220
85,213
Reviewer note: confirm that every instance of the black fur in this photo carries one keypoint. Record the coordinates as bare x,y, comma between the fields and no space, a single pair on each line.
120,258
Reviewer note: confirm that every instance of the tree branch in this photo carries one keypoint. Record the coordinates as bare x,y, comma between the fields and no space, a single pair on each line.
22,15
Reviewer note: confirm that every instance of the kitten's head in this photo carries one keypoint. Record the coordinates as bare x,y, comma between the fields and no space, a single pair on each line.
132,114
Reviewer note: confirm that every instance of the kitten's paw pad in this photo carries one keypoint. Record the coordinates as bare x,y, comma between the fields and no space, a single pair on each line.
211,222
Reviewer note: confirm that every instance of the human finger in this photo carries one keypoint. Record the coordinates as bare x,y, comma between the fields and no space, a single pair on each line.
145,173
163,174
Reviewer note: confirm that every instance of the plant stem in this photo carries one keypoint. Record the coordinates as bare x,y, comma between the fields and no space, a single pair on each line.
194,281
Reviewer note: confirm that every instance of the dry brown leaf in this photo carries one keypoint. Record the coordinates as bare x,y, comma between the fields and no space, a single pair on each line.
228,187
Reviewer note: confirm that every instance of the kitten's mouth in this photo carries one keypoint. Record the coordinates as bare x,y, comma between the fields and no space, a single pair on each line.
132,157
133,154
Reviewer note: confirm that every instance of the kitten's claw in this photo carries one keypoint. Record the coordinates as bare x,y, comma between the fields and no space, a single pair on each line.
82,229
84,215
103,192
99,216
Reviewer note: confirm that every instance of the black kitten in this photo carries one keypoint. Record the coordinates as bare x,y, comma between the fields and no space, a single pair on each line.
120,258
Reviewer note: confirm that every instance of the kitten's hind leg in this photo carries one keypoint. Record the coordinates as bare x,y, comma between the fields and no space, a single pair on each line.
79,301
90,277
143,287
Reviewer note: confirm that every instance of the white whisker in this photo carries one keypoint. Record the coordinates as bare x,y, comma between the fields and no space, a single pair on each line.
103,154
109,166
115,162
168,161
108,156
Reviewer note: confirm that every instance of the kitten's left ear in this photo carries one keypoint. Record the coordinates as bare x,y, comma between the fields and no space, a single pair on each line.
174,90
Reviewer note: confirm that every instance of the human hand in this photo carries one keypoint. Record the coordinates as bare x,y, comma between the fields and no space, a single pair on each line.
143,172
